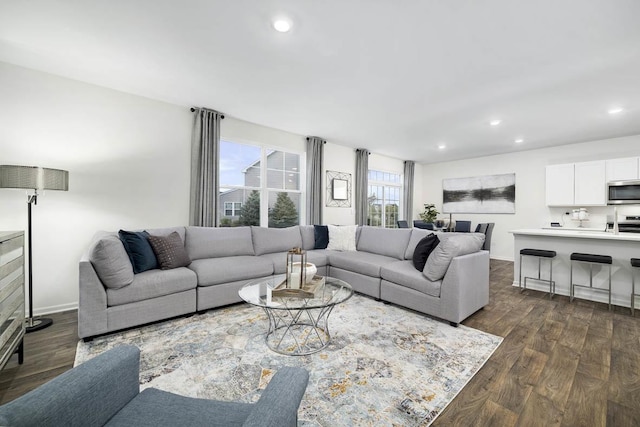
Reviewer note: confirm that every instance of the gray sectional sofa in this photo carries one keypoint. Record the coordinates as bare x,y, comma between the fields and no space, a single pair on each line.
224,259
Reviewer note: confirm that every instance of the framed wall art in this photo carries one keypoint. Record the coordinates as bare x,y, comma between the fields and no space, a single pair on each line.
338,189
480,194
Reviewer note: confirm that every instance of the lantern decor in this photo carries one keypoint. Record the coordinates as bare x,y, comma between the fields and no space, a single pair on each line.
296,275
300,277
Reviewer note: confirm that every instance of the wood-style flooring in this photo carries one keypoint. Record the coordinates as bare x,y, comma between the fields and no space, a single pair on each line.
561,363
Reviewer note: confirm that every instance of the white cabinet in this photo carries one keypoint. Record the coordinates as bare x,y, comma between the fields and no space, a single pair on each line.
623,169
590,183
560,185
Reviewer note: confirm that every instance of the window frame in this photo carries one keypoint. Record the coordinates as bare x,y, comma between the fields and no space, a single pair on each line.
263,189
386,184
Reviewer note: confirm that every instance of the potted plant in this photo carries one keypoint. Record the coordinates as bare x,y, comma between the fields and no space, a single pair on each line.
430,213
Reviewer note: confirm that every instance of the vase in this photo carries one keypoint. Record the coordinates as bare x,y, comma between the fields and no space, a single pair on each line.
310,270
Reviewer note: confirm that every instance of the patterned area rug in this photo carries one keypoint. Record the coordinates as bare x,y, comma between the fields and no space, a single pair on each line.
384,366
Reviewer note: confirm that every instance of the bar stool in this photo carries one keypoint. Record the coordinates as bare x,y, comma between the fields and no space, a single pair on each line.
591,259
539,253
635,262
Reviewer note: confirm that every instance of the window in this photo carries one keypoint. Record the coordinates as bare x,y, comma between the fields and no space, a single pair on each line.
385,189
232,208
251,194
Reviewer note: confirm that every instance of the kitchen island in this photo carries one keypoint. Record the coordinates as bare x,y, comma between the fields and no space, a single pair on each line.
621,247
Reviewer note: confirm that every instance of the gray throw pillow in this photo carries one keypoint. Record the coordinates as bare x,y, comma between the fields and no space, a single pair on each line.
449,248
111,262
169,251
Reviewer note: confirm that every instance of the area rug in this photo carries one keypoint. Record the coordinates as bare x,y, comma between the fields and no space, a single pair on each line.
384,366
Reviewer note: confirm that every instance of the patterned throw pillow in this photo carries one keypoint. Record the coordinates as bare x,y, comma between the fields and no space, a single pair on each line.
170,251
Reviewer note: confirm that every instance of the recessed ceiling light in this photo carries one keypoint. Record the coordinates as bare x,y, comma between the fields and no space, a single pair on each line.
519,140
281,25
495,122
441,146
616,110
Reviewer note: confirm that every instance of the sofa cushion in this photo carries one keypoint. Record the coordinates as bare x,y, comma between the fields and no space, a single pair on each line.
342,237
151,284
320,236
270,240
137,245
359,262
384,241
308,238
170,251
404,273
423,250
153,407
279,260
111,262
417,234
213,271
450,247
166,231
210,242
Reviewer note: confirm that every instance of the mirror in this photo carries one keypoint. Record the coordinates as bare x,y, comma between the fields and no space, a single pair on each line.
340,189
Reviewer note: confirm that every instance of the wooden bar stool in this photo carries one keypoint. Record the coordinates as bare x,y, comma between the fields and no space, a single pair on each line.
635,262
591,259
539,253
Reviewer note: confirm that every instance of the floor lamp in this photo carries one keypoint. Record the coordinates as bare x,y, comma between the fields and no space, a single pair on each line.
33,178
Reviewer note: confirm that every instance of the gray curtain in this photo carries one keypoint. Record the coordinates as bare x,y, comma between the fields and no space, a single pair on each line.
205,177
315,166
362,186
409,166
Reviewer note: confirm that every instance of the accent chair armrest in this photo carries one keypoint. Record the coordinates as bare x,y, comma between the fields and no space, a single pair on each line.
279,402
87,395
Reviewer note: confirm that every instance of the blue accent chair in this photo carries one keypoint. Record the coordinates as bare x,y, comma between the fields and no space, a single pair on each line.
106,391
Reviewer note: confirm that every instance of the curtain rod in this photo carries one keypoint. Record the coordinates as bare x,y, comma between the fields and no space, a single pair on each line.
323,141
221,115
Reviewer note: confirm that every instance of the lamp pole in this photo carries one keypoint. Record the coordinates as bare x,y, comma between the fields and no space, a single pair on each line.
43,322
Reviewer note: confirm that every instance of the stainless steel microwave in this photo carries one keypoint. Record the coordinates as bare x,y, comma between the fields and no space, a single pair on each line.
623,192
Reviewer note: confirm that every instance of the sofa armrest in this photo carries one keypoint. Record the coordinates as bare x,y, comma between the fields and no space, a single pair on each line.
465,287
92,304
87,395
279,402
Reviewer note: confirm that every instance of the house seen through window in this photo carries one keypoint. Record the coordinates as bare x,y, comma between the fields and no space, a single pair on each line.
252,194
385,189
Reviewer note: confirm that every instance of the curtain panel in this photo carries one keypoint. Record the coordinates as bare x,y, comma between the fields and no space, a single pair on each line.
407,207
362,186
315,166
205,177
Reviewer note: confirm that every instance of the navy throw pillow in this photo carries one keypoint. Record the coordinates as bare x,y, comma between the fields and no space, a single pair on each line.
137,245
321,234
423,250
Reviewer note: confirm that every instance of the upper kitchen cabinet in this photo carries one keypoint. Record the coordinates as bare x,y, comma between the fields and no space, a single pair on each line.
623,169
576,184
560,185
590,184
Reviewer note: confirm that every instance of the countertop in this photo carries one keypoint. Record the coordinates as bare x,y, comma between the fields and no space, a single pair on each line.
580,234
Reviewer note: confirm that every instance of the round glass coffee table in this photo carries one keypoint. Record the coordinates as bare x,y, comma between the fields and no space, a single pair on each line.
297,326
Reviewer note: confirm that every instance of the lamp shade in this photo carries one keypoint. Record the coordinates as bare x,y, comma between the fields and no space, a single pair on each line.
33,177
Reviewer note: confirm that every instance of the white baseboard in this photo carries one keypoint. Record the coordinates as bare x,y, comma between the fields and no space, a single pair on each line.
55,309
500,258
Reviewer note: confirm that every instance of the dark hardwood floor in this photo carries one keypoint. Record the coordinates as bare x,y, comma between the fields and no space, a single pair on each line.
561,363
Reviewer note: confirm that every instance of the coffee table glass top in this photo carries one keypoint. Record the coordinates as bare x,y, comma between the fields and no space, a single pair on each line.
259,293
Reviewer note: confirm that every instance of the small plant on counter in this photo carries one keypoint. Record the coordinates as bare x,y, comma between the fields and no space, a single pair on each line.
430,213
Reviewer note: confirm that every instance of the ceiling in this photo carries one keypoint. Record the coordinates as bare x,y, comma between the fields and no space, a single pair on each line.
395,77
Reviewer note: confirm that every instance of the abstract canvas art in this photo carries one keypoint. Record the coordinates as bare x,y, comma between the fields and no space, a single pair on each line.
480,194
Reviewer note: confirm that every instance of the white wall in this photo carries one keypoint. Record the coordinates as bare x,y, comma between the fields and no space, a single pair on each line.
529,167
338,158
128,163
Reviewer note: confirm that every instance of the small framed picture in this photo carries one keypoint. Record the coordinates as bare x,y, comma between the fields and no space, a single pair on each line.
340,189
